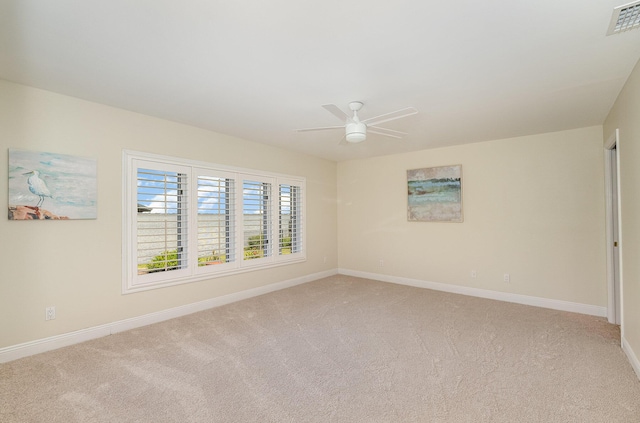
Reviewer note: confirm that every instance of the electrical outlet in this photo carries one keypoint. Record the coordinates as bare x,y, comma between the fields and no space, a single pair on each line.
325,259
50,313
474,274
506,278
381,263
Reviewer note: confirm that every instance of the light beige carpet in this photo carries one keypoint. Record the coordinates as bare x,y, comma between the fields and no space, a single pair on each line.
340,349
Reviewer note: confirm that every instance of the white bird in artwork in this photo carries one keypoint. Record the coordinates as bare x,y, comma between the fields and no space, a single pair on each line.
38,186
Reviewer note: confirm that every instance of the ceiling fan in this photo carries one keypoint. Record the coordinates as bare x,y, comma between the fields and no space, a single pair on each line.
356,129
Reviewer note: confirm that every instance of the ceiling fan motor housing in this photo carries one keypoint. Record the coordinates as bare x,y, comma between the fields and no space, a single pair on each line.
356,132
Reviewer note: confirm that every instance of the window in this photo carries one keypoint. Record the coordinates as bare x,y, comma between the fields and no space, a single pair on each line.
290,238
216,220
256,223
188,221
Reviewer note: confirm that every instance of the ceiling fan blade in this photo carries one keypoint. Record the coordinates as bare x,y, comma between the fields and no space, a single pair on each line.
386,131
390,116
323,128
385,134
334,110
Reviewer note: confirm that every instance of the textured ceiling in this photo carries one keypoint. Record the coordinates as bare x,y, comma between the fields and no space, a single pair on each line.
257,70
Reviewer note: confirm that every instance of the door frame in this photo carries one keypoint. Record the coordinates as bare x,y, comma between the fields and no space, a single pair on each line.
614,304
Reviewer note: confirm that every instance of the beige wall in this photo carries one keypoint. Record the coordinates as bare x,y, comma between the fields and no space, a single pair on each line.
533,208
76,265
625,115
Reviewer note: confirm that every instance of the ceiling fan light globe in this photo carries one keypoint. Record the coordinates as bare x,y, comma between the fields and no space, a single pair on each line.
356,132
356,137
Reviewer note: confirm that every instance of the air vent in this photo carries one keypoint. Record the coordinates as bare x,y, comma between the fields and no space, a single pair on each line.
625,18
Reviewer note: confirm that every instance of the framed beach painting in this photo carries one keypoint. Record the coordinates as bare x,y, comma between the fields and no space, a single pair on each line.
50,186
435,194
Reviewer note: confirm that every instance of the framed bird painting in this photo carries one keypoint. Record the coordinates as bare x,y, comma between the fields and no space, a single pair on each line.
50,186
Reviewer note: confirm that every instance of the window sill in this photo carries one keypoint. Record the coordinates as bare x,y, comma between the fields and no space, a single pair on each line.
213,272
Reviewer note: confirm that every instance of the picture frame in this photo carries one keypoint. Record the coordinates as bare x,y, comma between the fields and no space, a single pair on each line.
51,186
434,194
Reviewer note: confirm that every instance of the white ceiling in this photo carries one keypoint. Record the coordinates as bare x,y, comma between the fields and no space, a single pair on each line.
259,69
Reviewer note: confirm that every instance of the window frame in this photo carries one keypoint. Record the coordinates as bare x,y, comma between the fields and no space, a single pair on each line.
133,281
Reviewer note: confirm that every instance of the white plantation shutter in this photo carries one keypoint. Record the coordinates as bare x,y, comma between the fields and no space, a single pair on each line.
289,219
162,221
216,220
186,221
257,216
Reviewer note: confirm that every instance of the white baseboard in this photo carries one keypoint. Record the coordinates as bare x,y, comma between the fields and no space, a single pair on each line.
633,358
26,349
484,293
